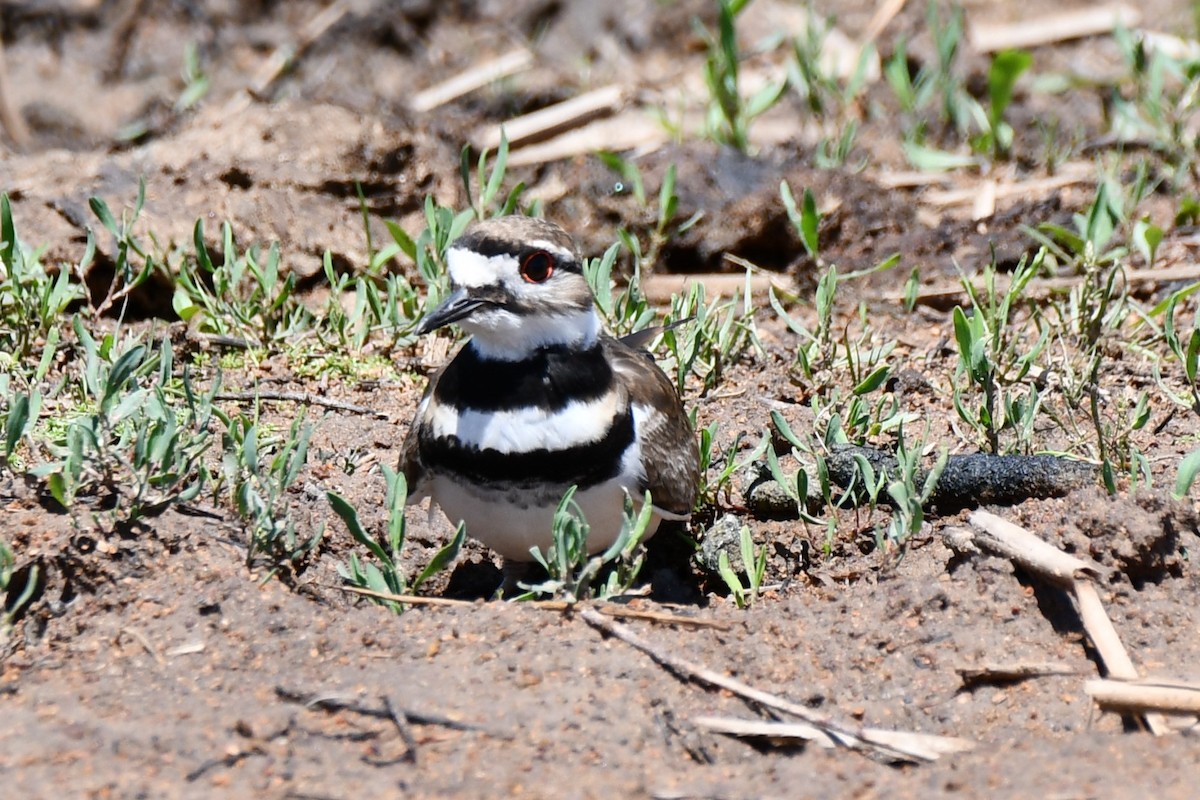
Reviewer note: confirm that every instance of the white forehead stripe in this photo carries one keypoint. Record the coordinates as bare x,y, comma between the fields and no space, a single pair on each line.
551,247
473,270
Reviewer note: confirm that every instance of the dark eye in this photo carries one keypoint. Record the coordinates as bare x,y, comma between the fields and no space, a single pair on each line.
537,267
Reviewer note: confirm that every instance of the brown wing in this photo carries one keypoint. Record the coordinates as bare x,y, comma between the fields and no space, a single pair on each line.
669,453
410,456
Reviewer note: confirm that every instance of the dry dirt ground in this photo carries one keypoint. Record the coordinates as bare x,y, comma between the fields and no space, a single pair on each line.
155,664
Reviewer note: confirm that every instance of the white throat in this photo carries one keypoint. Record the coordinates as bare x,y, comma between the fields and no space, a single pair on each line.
503,336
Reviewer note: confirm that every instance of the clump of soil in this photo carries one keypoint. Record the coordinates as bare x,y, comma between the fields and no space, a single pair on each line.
1147,537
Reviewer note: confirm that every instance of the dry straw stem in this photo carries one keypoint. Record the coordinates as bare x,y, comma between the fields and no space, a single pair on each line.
922,746
475,77
660,288
990,37
999,536
1145,695
545,122
1067,175
1047,562
286,54
894,745
634,129
883,15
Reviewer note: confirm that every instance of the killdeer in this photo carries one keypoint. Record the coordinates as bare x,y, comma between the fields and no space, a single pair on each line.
541,399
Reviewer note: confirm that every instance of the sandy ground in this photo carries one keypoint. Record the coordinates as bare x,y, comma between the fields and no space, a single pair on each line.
158,665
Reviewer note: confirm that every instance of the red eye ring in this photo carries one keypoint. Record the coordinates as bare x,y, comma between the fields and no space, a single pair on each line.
537,267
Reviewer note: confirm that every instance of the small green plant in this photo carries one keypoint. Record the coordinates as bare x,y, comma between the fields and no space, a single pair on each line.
945,84
490,183
717,334
828,98
822,91
795,485
130,447
960,114
805,219
388,307
249,296
128,273
385,574
1095,240
195,80
1184,345
729,114
1156,104
725,463
623,311
1115,433
754,567
32,300
428,251
994,356
257,468
664,214
910,490
571,569
997,135
937,81
1189,468
19,415
820,354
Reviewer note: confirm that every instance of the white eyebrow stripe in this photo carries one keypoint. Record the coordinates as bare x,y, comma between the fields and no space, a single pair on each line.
472,270
551,247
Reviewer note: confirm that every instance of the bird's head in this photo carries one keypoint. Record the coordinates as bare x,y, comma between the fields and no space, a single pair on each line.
517,285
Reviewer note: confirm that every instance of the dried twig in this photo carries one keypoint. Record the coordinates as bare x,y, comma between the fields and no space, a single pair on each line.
929,747
286,54
1047,562
1143,695
629,130
475,77
885,743
334,703
547,121
885,12
659,288
410,599
609,609
769,729
230,760
141,639
984,204
1009,673
620,612
305,398
989,37
1067,175
1032,553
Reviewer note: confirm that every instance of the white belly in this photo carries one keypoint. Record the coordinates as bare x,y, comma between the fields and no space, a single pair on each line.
503,523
